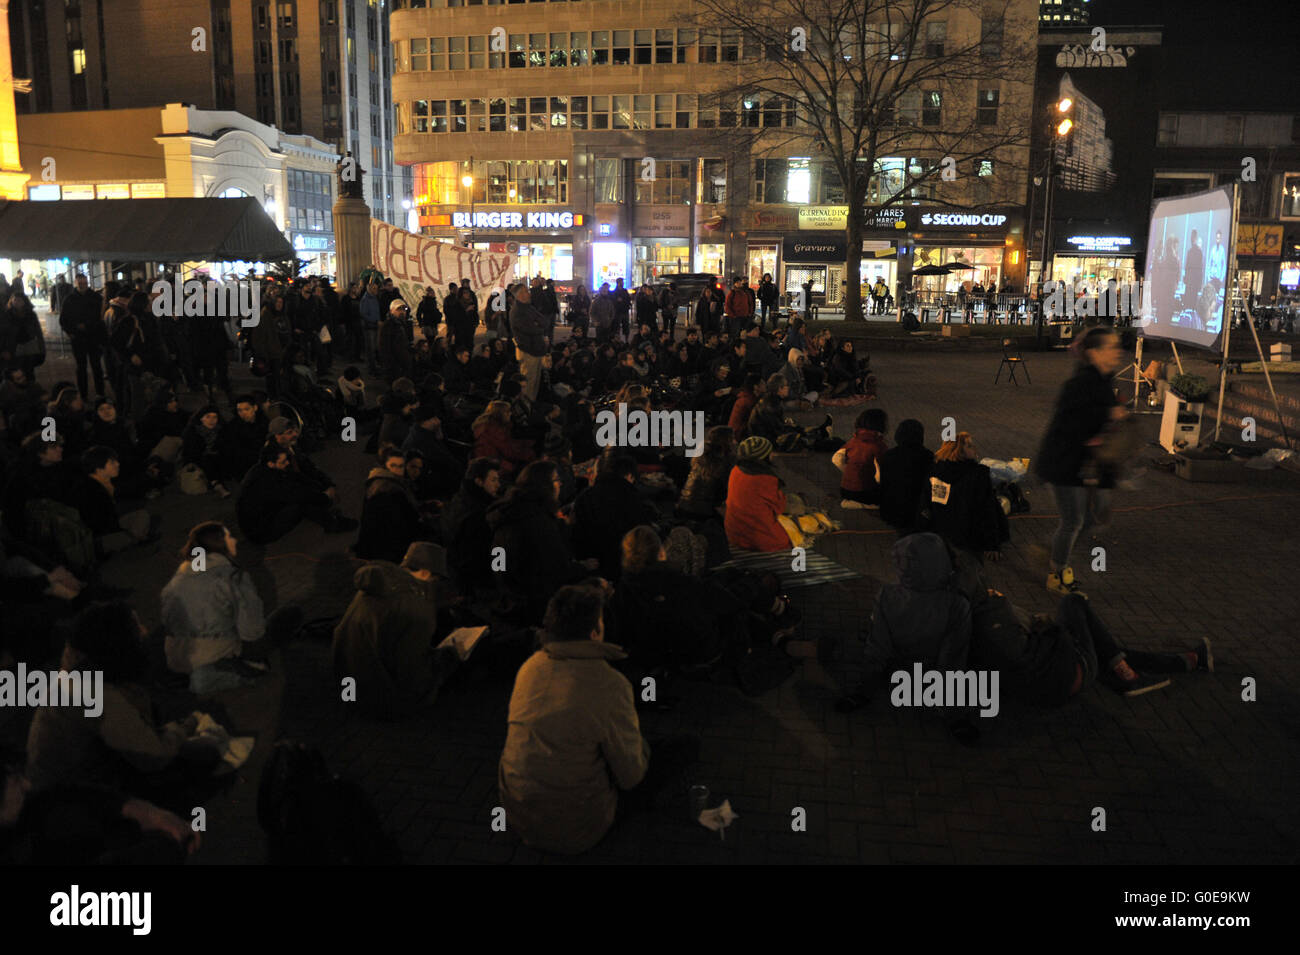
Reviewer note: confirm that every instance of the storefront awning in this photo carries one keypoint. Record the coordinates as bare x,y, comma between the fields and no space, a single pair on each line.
141,230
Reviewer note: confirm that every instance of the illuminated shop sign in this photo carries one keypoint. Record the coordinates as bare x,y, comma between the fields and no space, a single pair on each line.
962,219
515,220
1100,243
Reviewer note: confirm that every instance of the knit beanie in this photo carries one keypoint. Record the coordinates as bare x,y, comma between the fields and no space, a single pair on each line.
754,448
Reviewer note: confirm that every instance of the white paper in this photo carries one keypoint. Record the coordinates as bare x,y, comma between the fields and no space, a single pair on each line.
463,640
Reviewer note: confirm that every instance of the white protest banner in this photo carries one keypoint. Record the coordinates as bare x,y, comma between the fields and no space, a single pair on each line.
415,261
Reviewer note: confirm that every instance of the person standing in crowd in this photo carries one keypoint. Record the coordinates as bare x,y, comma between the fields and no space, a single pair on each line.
602,314
767,296
428,315
668,305
82,319
622,308
739,307
1193,269
647,308
370,318
579,307
1085,406
268,338
394,345
529,328
463,323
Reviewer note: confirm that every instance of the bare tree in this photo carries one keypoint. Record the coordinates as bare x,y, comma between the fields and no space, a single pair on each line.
857,81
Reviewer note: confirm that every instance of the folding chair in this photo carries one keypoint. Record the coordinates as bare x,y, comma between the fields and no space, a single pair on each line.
1011,361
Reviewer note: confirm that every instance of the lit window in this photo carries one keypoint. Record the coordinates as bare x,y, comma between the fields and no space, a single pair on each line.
78,61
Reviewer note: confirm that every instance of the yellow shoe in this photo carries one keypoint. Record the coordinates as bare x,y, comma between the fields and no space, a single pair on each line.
1063,583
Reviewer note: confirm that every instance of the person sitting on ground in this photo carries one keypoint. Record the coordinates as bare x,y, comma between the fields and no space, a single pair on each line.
200,446
42,474
68,410
242,437
426,439
385,639
213,615
746,398
283,434
163,420
352,391
962,507
396,406
905,477
275,498
847,375
538,556
922,618
493,439
573,737
465,530
122,744
139,477
802,397
755,500
559,451
859,484
1050,661
71,824
97,505
768,420
714,395
607,510
390,517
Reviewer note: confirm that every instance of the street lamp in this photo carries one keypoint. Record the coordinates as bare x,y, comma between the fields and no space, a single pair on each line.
467,181
1058,130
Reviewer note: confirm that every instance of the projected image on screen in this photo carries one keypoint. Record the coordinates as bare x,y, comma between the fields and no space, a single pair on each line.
1187,269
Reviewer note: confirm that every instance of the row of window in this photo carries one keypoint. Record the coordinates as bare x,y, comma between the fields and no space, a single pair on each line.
639,111
646,47
310,220
646,111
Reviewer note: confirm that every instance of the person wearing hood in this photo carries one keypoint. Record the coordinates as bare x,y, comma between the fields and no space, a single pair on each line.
905,477
385,639
573,738
465,529
426,439
607,510
538,559
962,507
802,398
755,500
390,518
212,613
860,482
242,437
923,618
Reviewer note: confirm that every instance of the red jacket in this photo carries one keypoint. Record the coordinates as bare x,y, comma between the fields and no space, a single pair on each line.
860,469
739,420
754,501
495,441
739,303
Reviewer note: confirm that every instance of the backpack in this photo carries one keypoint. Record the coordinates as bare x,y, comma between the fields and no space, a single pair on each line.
312,817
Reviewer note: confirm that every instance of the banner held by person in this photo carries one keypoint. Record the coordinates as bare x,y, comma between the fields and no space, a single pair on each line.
416,261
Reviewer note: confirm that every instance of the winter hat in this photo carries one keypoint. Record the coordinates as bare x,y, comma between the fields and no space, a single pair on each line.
754,448
794,355
280,426
423,555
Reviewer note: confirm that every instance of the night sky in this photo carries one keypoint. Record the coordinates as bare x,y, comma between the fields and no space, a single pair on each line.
1235,53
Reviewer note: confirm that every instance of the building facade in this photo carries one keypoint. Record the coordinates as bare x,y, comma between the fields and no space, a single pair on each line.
616,162
316,68
182,151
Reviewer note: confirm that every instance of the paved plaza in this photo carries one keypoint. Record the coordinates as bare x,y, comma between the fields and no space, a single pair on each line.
1188,774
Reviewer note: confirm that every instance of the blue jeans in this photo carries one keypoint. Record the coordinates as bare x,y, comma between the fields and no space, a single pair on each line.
1081,508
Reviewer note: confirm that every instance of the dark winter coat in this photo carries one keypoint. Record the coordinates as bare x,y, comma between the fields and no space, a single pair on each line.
603,513
904,484
266,493
972,519
390,522
241,443
1082,411
467,536
538,558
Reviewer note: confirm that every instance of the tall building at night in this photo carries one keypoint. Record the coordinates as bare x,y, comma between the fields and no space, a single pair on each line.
318,68
531,128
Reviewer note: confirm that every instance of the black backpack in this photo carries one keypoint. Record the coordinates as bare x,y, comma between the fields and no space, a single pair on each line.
313,817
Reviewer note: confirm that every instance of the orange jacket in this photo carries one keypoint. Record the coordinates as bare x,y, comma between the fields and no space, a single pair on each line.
754,502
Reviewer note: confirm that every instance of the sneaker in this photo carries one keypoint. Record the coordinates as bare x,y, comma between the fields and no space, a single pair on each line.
1128,682
1063,583
849,505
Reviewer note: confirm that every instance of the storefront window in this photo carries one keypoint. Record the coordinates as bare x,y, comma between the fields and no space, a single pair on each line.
550,260
609,262
1291,194
1092,272
760,259
653,258
985,266
710,257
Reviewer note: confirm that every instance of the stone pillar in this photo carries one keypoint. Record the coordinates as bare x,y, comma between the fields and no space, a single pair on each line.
13,181
352,251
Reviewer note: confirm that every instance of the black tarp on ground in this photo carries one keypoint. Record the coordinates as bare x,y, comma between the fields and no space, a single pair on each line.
141,230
